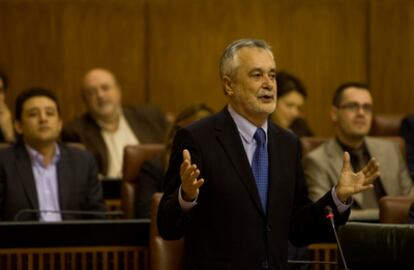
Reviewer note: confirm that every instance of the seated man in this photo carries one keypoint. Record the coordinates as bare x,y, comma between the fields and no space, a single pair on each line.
351,114
108,127
407,132
41,179
6,123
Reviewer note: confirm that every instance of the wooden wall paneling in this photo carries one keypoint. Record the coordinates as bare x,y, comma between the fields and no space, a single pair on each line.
52,43
30,45
392,55
167,51
104,34
185,41
323,43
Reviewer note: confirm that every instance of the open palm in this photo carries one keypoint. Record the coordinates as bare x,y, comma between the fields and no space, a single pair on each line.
351,183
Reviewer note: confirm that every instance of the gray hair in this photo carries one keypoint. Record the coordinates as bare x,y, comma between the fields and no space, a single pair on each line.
226,61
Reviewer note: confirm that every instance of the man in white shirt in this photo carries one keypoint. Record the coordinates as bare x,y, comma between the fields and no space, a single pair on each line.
108,126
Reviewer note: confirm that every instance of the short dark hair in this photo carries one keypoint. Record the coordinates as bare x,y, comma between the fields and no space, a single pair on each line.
29,93
287,83
3,78
338,92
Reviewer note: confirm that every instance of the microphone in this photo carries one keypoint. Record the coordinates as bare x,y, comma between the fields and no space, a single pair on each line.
330,215
21,212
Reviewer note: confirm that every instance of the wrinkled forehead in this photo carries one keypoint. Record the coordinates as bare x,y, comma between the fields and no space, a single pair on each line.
253,57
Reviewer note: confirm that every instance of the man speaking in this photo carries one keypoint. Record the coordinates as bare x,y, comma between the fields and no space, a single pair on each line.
235,188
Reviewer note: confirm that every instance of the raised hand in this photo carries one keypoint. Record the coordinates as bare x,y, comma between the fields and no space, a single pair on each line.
351,183
189,174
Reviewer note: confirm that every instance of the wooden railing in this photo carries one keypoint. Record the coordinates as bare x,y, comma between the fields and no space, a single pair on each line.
325,253
74,258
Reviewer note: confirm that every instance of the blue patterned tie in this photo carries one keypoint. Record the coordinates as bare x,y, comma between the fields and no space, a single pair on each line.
260,166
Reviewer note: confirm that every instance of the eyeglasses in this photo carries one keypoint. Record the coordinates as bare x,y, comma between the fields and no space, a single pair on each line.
355,107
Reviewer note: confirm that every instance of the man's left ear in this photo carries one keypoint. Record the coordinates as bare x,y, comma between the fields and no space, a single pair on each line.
228,85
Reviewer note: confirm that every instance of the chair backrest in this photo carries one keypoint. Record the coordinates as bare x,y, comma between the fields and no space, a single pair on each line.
377,246
394,209
134,156
386,124
311,143
164,254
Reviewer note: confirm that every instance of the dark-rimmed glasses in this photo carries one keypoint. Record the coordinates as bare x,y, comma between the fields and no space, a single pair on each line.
355,107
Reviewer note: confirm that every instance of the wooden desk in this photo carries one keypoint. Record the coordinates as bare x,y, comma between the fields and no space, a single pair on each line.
95,244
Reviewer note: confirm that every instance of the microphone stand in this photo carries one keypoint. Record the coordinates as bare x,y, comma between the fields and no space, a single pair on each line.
330,216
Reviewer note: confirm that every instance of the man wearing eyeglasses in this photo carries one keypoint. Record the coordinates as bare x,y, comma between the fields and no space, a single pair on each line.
351,113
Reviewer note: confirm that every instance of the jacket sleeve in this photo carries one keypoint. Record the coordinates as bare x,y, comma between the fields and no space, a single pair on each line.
172,220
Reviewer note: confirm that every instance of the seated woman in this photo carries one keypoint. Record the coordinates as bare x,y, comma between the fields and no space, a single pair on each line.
291,95
152,171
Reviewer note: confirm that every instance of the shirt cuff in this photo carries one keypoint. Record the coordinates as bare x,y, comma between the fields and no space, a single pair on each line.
184,204
342,207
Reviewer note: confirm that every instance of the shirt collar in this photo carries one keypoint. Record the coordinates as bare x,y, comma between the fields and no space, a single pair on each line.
244,126
37,157
344,147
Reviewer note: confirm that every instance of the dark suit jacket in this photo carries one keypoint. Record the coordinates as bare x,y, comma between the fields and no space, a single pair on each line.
78,185
411,214
150,181
407,132
147,123
227,229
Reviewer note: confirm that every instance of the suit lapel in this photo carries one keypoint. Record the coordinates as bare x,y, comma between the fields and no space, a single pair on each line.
25,173
275,166
229,138
94,138
377,150
64,175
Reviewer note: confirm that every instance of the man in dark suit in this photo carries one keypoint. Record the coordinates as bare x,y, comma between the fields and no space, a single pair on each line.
108,126
237,197
41,179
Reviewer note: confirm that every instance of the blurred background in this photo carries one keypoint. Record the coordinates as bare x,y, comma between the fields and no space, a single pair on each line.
166,52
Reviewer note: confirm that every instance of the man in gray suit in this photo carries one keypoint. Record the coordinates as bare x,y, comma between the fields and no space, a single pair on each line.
351,114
